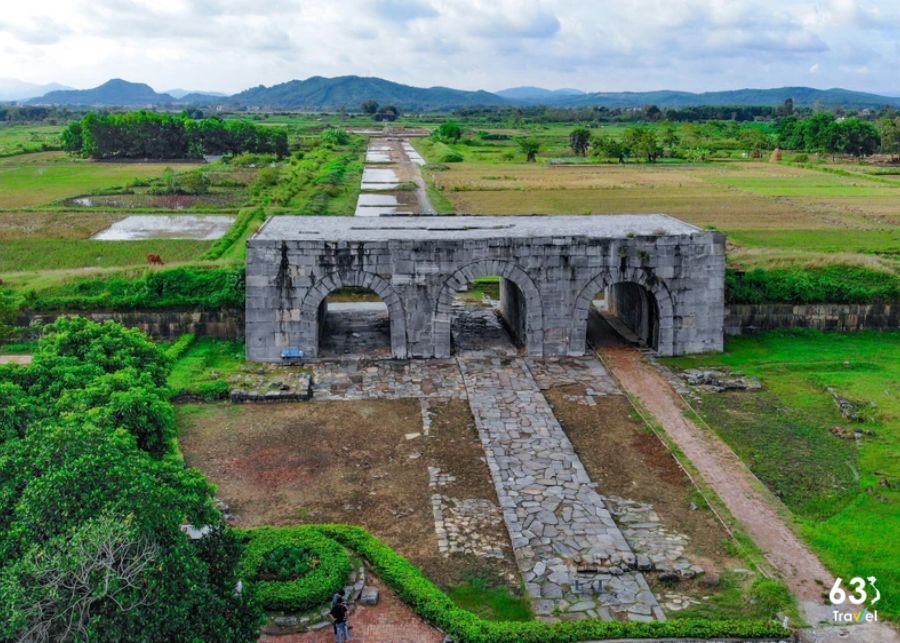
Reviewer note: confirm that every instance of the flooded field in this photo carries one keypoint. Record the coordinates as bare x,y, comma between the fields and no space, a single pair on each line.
166,227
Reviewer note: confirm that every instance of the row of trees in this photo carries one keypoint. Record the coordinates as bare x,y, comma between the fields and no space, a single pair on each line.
824,133
92,497
151,135
385,113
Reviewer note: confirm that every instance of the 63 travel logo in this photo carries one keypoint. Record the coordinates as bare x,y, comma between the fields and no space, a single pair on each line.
856,595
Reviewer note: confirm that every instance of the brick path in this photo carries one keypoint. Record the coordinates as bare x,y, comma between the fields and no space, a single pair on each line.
391,621
557,522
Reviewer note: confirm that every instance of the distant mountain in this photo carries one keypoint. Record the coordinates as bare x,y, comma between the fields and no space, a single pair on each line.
349,92
802,96
13,89
181,93
112,93
203,98
318,93
537,94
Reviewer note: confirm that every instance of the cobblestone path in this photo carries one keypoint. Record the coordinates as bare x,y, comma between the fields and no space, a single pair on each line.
575,561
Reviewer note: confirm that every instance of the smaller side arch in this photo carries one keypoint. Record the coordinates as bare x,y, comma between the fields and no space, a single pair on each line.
658,288
534,309
311,302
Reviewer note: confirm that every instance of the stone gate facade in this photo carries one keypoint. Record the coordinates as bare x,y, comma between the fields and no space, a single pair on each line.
662,277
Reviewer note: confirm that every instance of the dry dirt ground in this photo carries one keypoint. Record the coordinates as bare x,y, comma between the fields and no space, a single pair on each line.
626,459
347,461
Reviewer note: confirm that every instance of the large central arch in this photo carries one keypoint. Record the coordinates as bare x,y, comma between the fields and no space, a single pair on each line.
534,311
656,287
315,297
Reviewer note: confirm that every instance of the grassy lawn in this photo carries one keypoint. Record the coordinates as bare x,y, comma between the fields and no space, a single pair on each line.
842,491
492,602
54,254
38,179
195,371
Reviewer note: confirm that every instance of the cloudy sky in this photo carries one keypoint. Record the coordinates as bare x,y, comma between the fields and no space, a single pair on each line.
598,45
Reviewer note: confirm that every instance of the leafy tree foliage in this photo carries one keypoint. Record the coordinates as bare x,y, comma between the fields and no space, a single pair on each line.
889,128
151,135
335,136
448,132
369,107
579,140
605,146
824,133
530,146
642,142
92,499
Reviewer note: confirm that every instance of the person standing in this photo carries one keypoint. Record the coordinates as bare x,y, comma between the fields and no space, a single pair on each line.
339,620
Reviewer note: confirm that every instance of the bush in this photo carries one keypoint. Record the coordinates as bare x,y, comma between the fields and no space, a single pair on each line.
436,607
452,157
304,591
828,284
187,287
335,136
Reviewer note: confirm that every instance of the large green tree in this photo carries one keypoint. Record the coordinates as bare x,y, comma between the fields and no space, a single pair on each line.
580,140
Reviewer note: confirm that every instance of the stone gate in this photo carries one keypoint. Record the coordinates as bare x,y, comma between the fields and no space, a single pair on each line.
662,277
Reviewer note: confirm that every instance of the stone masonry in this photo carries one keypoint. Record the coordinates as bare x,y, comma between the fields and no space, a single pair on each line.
572,555
665,278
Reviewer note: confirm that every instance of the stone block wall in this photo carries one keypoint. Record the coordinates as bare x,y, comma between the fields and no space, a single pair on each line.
556,276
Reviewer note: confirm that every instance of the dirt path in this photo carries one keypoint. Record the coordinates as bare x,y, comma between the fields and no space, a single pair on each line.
15,359
390,162
738,488
742,493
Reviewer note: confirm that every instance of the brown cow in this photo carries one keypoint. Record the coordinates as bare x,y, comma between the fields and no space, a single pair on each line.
155,259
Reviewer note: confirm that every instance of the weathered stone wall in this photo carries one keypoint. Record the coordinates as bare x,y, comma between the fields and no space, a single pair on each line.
743,318
557,263
226,323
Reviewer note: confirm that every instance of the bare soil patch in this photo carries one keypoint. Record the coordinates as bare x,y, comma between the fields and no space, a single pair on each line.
54,225
342,461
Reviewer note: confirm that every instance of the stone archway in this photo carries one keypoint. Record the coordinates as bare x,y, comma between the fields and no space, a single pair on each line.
656,287
534,310
315,297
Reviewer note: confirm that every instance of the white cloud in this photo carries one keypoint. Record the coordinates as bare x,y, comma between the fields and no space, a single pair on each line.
596,45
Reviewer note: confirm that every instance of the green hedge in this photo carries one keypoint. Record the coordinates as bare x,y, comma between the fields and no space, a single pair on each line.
828,284
307,592
235,233
436,607
186,287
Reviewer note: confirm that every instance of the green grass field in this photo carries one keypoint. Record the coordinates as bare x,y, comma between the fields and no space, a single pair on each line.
194,371
59,254
38,179
18,139
843,492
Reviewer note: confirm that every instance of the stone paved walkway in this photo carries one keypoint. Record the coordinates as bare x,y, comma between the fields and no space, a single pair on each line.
573,557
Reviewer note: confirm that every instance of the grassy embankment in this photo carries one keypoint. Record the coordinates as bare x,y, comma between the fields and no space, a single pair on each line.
842,490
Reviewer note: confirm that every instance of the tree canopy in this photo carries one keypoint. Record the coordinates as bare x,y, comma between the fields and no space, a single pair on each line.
92,498
151,135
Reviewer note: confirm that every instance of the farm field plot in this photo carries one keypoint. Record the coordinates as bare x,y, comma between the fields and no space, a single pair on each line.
839,476
16,139
38,179
54,224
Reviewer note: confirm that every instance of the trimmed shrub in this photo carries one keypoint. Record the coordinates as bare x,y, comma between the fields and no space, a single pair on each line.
325,574
436,607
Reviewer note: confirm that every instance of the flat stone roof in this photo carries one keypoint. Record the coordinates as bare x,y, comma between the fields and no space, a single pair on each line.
599,226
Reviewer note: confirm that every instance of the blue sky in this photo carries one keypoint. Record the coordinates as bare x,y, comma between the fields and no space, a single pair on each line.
599,45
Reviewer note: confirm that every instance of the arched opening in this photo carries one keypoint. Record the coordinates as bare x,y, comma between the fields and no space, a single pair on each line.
488,306
631,310
623,308
354,322
356,314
